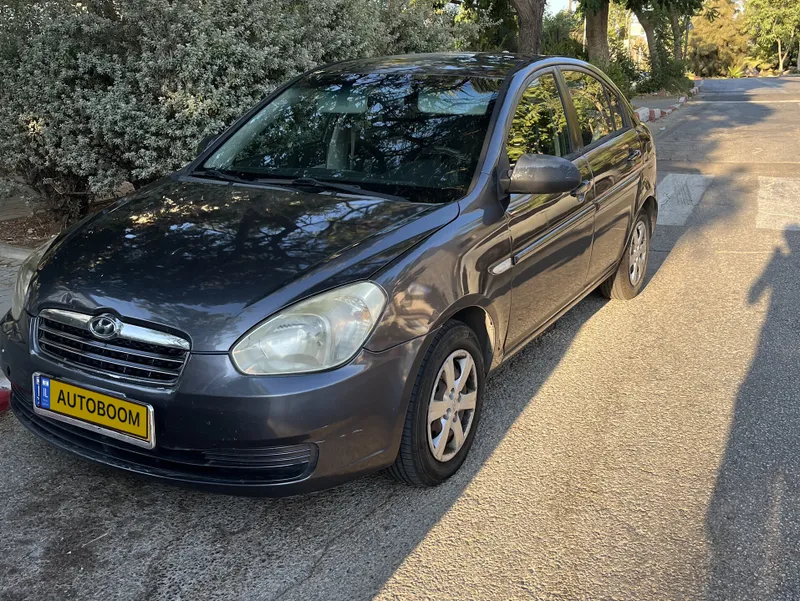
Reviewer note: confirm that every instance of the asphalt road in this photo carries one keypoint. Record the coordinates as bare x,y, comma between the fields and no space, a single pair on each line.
641,450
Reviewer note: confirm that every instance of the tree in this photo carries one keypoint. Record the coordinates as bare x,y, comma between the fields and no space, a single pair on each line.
774,23
529,19
562,34
654,14
717,41
496,21
596,13
679,24
647,15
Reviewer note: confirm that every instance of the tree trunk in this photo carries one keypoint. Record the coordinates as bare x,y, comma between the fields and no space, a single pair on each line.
780,58
529,20
677,33
597,35
650,34
687,21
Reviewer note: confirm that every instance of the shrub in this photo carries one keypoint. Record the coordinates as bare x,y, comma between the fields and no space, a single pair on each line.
104,91
670,77
735,71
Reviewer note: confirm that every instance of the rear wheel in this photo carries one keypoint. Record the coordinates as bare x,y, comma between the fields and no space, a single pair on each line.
628,280
444,408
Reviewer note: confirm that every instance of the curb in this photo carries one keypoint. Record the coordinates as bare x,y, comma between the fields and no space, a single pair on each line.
14,253
5,394
647,114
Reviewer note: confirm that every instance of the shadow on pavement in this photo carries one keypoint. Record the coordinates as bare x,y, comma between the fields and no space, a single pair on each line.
754,516
701,133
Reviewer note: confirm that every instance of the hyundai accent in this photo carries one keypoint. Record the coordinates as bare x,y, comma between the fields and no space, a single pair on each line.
322,293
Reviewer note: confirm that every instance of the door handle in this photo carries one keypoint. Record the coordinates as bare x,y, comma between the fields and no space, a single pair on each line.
582,189
634,155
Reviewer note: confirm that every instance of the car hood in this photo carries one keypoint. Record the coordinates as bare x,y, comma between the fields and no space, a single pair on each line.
211,260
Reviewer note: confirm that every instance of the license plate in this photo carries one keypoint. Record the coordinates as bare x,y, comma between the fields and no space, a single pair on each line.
118,418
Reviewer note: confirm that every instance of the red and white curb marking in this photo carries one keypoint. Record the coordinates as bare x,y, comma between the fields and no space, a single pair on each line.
648,114
5,394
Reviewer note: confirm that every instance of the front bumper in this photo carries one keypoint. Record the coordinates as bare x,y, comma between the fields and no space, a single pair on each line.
220,430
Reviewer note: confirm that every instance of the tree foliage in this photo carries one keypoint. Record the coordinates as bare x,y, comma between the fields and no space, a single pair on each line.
774,25
496,21
103,91
717,43
561,35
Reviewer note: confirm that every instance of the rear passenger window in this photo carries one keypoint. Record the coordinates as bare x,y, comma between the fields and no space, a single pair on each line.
540,124
591,105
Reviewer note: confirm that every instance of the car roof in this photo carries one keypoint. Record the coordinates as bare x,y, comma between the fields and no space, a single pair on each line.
475,64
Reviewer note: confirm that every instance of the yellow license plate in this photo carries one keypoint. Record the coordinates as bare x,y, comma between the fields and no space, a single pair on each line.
118,418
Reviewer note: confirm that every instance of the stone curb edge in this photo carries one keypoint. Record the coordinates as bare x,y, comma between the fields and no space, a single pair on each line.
646,114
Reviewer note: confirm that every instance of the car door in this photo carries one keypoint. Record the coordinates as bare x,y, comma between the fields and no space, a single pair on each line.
551,233
611,145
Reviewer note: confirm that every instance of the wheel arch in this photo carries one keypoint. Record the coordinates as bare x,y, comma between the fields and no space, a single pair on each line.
478,320
651,206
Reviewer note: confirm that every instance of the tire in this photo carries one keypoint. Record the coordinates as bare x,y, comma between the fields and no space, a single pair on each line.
416,463
622,285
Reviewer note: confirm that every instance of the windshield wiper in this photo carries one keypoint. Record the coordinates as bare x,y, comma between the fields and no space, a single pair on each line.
308,182
222,175
337,187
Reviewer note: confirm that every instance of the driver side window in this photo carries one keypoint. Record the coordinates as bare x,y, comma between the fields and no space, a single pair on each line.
540,124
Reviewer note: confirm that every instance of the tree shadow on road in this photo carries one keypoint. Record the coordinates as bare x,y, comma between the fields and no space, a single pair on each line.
754,515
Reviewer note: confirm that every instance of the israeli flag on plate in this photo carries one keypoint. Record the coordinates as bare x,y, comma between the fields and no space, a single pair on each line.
44,393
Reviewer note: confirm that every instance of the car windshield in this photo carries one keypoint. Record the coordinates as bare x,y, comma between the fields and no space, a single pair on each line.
412,135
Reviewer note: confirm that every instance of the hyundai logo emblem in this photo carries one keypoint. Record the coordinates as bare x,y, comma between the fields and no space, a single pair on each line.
104,326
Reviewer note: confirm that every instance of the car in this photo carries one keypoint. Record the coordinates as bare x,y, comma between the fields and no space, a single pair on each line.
323,291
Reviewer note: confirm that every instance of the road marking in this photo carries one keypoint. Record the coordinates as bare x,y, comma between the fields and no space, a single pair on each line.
778,203
678,194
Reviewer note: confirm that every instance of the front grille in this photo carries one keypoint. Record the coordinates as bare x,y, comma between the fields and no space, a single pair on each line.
136,354
265,465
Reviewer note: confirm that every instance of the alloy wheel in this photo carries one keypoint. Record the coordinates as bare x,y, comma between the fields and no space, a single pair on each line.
637,253
452,405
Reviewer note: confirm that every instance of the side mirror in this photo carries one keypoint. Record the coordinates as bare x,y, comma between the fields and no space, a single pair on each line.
543,174
205,143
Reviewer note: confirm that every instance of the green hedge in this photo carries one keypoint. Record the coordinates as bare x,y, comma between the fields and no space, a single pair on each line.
100,92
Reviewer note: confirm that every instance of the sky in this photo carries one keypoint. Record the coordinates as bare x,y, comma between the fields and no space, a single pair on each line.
553,6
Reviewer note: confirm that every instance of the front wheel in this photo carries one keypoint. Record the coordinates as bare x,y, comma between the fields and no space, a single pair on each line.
444,408
628,280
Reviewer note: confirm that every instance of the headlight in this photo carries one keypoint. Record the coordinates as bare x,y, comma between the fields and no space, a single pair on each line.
24,277
319,333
